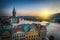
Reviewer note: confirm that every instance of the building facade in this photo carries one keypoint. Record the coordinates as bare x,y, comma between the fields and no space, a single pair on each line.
31,35
18,36
6,35
43,32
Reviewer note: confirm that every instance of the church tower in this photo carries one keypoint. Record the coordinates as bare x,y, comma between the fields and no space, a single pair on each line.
14,12
14,19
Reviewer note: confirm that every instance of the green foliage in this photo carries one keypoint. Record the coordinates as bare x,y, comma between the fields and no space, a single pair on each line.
51,37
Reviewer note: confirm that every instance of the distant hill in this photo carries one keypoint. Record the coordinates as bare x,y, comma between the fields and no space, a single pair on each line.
55,17
31,18
27,16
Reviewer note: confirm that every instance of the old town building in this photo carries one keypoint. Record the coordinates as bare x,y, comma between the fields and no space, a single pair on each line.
18,34
31,35
13,18
6,35
43,32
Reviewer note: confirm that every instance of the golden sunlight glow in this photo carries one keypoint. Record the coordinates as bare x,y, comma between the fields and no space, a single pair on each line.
45,11
45,14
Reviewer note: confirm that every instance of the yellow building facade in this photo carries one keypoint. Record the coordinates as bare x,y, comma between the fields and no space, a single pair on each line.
31,35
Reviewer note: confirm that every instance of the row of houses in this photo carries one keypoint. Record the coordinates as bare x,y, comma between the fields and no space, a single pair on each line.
25,32
33,32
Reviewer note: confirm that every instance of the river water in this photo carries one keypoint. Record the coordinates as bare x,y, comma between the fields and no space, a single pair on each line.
54,29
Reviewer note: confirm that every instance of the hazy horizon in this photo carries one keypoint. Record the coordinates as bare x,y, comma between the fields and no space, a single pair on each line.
42,8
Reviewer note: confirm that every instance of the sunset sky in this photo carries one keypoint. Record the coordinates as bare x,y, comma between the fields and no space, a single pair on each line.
43,8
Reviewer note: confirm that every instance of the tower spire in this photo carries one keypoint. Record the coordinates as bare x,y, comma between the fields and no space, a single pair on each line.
14,12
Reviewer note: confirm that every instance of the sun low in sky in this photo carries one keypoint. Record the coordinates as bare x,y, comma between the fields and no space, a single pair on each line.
45,13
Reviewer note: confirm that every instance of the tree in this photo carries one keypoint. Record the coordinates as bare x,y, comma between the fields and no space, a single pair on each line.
51,37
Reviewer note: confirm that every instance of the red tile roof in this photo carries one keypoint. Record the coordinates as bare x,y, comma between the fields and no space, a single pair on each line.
38,26
17,29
